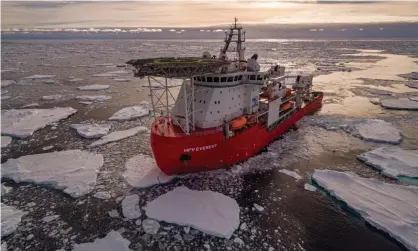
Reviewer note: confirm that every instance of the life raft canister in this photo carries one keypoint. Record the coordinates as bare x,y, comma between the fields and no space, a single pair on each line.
285,106
288,91
238,123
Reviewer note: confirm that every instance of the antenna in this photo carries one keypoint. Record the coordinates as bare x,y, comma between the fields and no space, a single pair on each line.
236,19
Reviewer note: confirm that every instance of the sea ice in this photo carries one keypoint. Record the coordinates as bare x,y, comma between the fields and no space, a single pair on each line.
412,84
93,87
113,241
5,141
85,102
141,171
103,195
118,135
4,91
52,97
50,218
94,98
368,129
414,98
400,104
258,207
75,80
130,207
309,187
291,173
5,189
131,112
23,123
121,80
210,212
5,97
10,219
150,226
393,161
5,83
389,207
73,171
31,105
111,73
40,77
91,131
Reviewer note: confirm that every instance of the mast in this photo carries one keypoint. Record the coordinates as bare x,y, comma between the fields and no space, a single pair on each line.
235,35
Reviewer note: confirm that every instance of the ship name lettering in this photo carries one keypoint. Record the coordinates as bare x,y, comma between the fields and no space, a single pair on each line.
201,148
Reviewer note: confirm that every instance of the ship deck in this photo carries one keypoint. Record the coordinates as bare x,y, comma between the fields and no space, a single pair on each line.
165,127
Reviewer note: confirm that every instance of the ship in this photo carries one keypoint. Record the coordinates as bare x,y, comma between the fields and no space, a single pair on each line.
225,110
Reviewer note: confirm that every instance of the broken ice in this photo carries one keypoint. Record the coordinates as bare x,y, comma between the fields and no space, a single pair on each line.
10,219
132,112
118,135
112,242
93,87
400,104
91,131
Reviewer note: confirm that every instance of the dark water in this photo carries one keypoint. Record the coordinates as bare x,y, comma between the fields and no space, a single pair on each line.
293,219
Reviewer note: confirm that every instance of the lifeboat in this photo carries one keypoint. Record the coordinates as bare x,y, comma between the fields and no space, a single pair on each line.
238,123
286,106
288,92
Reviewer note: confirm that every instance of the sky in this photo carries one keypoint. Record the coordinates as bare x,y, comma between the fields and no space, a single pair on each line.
198,13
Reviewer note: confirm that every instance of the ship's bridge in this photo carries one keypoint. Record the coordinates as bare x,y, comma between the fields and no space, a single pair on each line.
231,79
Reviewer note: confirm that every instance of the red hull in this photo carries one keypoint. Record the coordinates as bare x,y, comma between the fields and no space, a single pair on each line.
177,154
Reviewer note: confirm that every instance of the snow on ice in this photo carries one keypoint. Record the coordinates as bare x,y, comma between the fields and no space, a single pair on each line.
10,219
91,131
5,83
210,212
130,207
118,135
23,123
414,98
400,104
121,80
393,161
5,141
132,112
389,207
31,105
291,173
368,129
142,171
113,241
93,87
94,98
309,187
75,80
73,171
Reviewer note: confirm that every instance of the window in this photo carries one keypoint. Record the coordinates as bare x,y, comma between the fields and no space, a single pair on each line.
216,79
259,77
252,77
198,79
230,79
204,101
223,79
220,92
236,78
209,79
240,77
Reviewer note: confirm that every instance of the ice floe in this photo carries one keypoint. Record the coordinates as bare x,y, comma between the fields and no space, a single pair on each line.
291,173
414,98
5,189
10,219
210,212
52,97
389,207
103,195
309,187
131,112
393,161
91,131
412,84
118,135
33,77
142,171
5,141
368,129
113,241
24,122
31,105
121,80
399,104
5,97
150,226
75,80
4,92
50,218
5,83
130,207
94,98
111,73
258,207
73,171
85,102
93,87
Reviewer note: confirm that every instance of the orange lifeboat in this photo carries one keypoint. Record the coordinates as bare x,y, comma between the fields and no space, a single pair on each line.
288,91
286,106
238,123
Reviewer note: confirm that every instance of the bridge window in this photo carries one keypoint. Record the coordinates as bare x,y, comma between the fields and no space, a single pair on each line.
216,79
209,79
236,78
259,77
223,79
230,79
240,77
252,77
